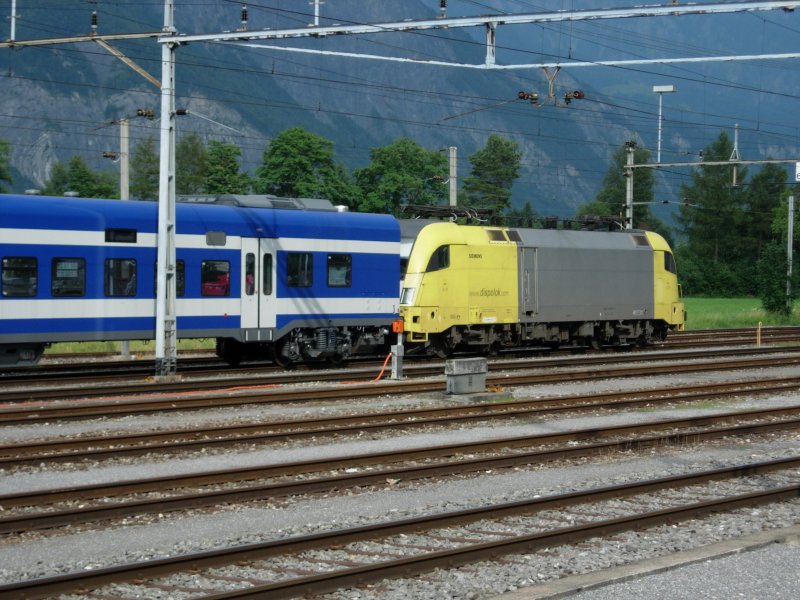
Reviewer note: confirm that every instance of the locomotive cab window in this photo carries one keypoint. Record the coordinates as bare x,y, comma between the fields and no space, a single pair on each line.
180,281
215,278
20,276
68,276
119,278
440,259
299,269
669,263
513,235
340,270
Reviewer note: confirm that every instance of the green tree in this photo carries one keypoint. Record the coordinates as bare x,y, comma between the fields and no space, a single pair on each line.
763,197
301,164
522,217
58,182
772,268
595,207
144,170
79,178
222,171
191,161
494,170
5,166
402,173
613,193
611,199
712,211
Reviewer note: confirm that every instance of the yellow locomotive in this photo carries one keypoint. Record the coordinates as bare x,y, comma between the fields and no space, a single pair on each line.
487,288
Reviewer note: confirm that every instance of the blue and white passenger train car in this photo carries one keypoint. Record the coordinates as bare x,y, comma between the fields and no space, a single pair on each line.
294,278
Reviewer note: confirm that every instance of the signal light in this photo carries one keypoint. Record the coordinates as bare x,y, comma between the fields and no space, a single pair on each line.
577,95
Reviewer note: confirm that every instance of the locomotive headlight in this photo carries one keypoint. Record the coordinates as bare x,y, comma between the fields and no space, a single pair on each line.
407,297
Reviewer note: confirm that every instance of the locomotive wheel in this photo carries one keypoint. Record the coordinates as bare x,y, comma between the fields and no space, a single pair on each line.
441,346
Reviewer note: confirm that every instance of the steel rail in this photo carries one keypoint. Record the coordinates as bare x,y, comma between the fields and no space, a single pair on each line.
209,364
87,580
170,402
99,447
451,466
56,390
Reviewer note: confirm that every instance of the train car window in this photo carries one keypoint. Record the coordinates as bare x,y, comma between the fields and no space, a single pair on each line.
340,270
266,266
669,263
495,235
125,236
439,259
250,274
299,269
180,273
20,276
68,277
216,238
513,235
215,278
119,277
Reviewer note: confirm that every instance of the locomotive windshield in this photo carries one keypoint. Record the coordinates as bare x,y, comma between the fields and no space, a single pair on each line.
440,259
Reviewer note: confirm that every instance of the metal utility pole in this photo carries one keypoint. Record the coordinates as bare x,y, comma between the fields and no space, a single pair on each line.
124,191
124,158
166,315
630,148
661,90
735,158
789,245
453,176
13,33
316,4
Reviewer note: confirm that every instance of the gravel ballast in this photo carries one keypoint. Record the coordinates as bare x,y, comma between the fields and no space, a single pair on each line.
35,555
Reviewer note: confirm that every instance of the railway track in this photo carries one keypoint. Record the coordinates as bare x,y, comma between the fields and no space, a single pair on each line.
195,395
14,456
83,504
109,367
330,560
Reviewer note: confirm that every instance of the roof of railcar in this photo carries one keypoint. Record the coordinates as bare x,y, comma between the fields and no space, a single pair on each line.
64,213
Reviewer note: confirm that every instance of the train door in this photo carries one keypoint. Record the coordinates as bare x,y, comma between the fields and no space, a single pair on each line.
258,307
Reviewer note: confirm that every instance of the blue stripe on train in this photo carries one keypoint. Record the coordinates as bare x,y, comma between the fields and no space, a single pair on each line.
22,326
283,320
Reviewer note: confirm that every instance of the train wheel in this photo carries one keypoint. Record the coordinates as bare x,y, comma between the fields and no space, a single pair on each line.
282,355
441,346
335,359
230,351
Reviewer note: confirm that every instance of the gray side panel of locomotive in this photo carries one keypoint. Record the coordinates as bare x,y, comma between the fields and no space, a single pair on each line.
584,276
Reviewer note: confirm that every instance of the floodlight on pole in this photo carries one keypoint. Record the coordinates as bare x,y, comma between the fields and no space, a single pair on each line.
661,90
